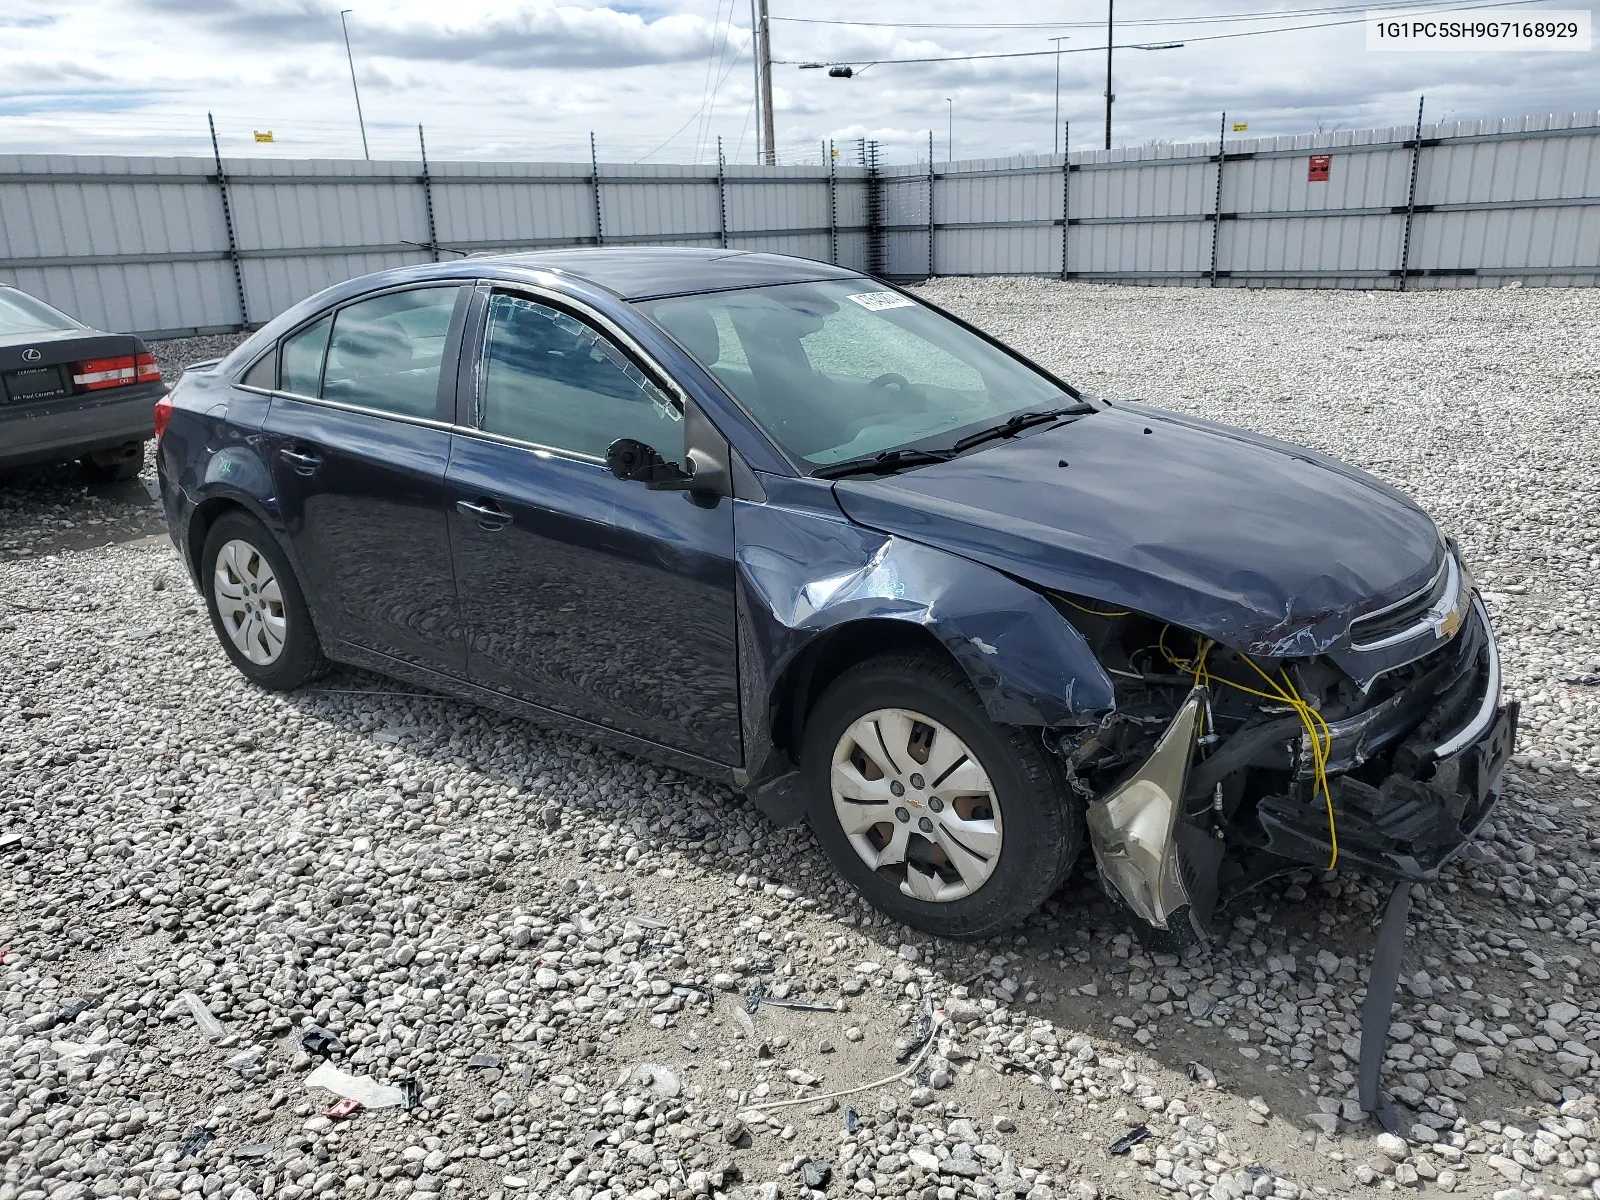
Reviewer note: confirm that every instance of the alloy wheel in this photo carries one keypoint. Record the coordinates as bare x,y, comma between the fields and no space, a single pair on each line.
250,602
916,804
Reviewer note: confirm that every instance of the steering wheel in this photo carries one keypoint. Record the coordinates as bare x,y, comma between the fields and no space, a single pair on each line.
888,378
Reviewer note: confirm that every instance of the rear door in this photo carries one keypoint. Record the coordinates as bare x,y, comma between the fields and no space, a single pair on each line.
359,432
583,593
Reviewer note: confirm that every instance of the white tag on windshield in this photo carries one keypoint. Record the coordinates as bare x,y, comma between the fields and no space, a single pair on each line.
874,301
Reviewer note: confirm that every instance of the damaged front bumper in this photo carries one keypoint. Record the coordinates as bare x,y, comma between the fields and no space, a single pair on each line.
1410,779
1402,811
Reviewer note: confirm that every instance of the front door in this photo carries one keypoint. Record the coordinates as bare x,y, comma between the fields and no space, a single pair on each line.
358,458
582,593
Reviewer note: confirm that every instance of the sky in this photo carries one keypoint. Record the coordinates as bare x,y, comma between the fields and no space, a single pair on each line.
662,81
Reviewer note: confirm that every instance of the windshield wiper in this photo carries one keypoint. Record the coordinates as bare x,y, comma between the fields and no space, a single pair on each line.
1014,425
882,463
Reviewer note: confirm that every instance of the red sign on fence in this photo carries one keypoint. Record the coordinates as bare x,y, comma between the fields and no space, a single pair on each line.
1319,168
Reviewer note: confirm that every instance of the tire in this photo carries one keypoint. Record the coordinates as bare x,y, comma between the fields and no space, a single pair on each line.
1039,821
284,650
117,465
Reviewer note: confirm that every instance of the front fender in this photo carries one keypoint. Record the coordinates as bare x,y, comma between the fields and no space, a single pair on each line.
806,570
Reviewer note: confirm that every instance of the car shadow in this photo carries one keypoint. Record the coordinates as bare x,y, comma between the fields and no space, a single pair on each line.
54,508
1079,962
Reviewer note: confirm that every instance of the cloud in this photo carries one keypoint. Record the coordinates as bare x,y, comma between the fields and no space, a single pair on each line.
543,35
529,79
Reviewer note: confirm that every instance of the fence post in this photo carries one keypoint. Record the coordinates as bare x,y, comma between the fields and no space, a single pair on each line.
877,240
930,204
1066,190
722,193
427,197
833,206
1216,207
594,183
227,221
1411,196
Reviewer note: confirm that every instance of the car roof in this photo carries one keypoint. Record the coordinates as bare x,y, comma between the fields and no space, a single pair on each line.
650,272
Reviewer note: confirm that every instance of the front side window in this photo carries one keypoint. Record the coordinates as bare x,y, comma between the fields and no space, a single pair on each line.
551,380
842,369
386,353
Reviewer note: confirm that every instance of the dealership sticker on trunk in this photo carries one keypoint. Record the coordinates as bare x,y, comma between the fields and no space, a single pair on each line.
879,300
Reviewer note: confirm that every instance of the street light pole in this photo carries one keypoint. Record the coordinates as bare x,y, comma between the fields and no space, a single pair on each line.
350,58
950,131
1056,124
755,61
1110,37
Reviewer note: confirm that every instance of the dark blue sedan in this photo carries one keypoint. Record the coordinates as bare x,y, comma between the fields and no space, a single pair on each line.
790,527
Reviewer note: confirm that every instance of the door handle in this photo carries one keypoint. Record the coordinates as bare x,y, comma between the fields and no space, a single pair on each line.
303,464
490,515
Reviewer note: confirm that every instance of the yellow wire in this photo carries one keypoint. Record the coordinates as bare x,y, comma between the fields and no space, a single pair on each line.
1321,743
1093,612
1310,717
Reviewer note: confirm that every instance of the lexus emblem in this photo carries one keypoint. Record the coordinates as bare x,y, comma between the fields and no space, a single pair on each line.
31,355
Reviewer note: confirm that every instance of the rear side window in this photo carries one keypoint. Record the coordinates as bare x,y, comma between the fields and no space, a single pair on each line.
302,359
385,353
264,374
550,379
21,313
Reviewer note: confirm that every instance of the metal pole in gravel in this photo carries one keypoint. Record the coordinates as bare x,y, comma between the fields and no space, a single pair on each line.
227,221
427,197
1216,207
1411,196
594,182
1066,190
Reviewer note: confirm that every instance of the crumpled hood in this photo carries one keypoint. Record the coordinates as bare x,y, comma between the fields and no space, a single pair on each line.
1264,546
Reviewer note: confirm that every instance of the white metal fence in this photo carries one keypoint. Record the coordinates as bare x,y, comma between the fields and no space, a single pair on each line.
172,245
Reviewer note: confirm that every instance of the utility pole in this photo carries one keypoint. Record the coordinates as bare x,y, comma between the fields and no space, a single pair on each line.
766,84
1110,37
350,58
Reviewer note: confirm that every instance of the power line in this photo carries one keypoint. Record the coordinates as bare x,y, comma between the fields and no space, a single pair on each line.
1205,19
697,111
1210,37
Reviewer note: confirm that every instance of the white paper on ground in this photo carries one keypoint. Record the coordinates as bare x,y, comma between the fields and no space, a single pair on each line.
363,1088
209,1025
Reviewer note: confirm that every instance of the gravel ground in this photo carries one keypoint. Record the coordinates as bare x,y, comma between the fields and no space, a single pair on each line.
49,509
518,921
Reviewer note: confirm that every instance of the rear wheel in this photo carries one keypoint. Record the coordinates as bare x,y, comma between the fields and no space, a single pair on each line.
115,465
941,818
256,605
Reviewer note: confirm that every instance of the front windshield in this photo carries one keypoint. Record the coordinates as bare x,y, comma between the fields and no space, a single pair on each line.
843,369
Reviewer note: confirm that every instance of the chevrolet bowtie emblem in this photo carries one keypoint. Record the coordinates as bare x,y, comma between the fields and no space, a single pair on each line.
1449,624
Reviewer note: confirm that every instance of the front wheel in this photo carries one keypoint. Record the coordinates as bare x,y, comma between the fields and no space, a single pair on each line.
256,605
941,818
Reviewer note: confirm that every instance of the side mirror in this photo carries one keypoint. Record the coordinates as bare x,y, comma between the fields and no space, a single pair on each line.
633,461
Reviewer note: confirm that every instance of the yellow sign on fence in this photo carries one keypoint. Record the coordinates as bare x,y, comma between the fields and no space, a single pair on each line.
1238,127
263,135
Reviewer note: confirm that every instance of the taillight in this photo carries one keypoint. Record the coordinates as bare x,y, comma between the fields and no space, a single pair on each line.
99,373
163,415
121,371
